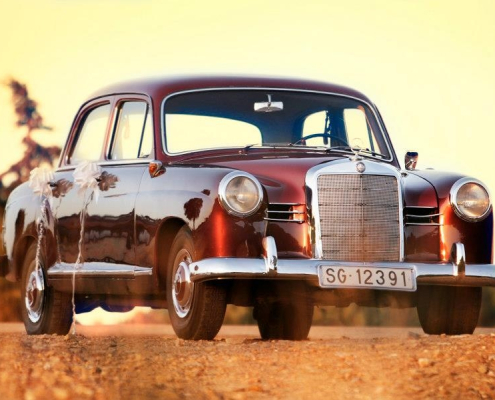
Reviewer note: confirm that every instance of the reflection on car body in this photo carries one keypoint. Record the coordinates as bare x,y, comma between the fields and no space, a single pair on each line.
278,194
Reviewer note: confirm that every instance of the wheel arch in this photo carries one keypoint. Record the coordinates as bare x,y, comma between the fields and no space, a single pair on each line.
166,234
48,247
19,254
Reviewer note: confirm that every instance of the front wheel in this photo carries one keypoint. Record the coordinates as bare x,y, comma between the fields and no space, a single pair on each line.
43,309
288,315
196,310
453,310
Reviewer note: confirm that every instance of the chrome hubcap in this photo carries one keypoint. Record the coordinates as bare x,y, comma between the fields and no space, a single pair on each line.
182,287
35,295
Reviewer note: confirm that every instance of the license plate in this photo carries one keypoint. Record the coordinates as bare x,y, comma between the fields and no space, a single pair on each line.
336,276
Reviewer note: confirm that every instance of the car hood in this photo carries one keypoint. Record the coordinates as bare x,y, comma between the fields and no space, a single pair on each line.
283,177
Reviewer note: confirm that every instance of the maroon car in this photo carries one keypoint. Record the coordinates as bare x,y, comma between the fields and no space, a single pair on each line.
275,194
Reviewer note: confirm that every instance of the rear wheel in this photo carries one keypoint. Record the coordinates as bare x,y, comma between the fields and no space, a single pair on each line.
453,310
44,310
288,315
196,309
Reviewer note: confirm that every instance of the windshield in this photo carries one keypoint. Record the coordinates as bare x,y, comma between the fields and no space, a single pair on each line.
270,118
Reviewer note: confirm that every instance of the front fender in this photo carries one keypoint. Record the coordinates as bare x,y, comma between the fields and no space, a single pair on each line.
21,229
190,194
477,237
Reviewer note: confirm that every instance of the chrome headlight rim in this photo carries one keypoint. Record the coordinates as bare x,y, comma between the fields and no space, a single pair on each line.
222,193
453,199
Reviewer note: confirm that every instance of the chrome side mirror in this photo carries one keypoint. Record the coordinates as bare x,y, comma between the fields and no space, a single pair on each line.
411,160
156,168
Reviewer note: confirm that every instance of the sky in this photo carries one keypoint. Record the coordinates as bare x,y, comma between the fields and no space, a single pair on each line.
429,65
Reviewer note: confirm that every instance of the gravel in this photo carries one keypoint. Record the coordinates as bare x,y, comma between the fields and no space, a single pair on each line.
80,366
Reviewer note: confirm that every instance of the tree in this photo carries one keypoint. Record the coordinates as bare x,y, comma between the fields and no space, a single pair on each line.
34,154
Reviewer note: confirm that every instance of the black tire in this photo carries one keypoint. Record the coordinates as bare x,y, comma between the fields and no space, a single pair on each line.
196,310
453,310
116,308
288,315
43,309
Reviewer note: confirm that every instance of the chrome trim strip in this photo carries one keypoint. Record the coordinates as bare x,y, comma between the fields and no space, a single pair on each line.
252,88
110,163
283,220
347,167
285,204
423,216
97,270
285,212
423,224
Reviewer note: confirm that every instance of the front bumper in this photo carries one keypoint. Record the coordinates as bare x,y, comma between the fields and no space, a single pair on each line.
453,273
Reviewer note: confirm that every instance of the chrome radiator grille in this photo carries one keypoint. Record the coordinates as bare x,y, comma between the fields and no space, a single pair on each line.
359,217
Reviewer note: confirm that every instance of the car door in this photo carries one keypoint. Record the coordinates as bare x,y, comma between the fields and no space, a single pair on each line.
86,143
124,148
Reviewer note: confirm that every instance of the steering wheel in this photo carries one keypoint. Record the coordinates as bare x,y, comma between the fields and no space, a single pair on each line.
323,135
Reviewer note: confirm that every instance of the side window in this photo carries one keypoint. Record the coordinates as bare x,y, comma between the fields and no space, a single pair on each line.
147,142
347,127
328,123
91,135
314,123
358,130
132,134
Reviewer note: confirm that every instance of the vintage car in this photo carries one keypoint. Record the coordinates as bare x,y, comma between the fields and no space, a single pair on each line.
276,194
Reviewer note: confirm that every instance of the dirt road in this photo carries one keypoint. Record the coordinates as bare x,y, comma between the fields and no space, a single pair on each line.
148,362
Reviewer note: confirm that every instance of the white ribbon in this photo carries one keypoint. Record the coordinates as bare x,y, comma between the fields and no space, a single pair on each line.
86,175
39,181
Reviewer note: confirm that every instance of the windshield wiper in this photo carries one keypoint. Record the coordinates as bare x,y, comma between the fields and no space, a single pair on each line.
344,148
247,147
373,153
350,149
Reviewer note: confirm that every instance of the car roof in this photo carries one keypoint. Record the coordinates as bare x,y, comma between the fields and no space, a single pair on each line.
161,87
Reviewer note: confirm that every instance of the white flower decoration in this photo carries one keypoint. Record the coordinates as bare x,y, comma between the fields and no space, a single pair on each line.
86,175
39,181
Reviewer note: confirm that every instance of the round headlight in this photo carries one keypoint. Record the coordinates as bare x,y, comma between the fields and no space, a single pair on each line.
240,193
470,199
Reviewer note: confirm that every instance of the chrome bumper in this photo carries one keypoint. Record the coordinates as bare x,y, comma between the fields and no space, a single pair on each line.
454,273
